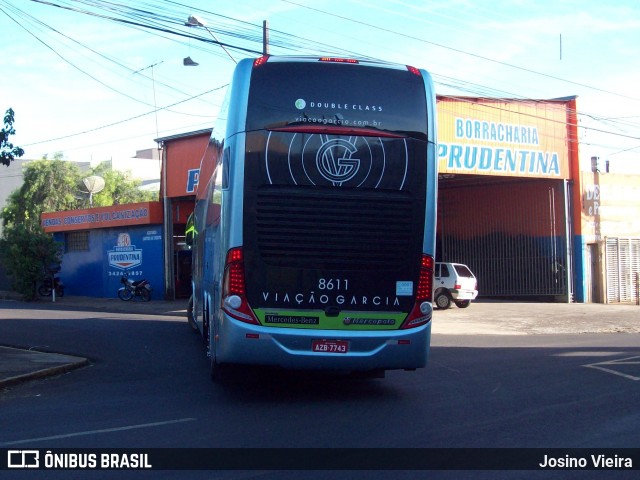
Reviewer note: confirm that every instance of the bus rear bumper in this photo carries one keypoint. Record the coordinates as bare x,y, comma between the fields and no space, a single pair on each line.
243,343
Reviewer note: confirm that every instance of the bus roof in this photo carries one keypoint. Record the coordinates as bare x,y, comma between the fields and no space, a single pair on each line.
369,62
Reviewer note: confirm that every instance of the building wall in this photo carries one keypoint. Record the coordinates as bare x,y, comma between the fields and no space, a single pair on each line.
610,206
609,209
112,252
183,156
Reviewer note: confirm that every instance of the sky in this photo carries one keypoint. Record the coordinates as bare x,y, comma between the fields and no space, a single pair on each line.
95,80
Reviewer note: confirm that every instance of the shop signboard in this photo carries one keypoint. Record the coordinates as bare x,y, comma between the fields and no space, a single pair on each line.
130,214
503,138
134,252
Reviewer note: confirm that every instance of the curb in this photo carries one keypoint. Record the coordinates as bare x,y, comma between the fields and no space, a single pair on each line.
58,364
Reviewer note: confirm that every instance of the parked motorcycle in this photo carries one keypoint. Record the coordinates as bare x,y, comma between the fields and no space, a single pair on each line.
132,289
46,288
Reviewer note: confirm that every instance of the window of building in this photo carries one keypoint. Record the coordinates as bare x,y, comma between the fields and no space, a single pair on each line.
77,241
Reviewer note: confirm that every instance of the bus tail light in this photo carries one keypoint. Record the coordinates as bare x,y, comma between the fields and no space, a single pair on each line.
339,60
422,308
260,61
234,295
414,70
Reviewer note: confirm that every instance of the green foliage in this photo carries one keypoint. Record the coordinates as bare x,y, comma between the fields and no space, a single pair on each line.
24,253
119,188
49,186
7,151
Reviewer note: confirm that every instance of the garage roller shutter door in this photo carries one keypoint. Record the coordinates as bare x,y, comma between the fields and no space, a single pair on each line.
512,236
623,269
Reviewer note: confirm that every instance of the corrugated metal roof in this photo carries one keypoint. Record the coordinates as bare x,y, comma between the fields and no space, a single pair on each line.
184,135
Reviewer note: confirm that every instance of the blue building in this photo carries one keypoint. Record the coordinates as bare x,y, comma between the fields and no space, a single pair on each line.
102,244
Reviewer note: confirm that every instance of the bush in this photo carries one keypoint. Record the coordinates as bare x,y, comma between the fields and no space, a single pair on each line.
24,254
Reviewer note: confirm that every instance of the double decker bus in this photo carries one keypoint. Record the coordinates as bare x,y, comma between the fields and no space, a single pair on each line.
314,226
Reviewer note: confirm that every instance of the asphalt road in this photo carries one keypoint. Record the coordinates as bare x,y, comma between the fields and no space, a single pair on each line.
147,386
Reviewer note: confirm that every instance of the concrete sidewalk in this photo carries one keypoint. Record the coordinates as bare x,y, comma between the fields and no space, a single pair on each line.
481,318
18,365
114,305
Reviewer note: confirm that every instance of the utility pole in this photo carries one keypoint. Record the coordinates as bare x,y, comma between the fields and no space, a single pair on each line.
265,37
560,46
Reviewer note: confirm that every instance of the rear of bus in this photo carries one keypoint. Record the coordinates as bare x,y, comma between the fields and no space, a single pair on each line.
338,181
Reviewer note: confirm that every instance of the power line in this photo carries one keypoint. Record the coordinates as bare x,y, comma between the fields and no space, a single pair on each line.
34,20
125,120
135,18
148,26
67,61
422,40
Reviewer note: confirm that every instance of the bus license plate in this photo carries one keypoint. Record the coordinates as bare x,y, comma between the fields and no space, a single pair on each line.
330,346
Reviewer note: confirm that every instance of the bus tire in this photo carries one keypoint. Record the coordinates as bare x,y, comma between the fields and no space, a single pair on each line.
190,319
219,372
205,324
216,370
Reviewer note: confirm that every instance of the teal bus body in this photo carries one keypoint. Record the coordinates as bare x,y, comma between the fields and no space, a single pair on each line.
314,224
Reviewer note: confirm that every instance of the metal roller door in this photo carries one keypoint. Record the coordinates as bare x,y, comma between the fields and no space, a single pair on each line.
512,235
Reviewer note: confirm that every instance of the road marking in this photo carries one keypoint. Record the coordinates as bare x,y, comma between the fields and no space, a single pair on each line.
613,363
588,354
93,432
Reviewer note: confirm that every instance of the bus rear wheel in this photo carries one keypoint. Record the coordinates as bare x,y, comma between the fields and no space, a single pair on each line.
190,318
219,372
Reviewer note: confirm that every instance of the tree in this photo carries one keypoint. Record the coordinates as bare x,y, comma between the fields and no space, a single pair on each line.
48,186
7,151
25,254
25,249
119,188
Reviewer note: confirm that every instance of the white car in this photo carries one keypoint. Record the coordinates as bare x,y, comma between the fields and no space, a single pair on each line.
453,282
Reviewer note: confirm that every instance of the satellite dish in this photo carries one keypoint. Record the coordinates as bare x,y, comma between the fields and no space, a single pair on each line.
94,184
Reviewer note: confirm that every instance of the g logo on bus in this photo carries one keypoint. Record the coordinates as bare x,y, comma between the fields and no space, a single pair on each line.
341,161
334,160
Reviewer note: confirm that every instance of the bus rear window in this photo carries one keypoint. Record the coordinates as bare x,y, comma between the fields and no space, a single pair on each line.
334,95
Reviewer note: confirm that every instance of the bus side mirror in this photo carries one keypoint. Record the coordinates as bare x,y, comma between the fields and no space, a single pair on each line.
190,230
